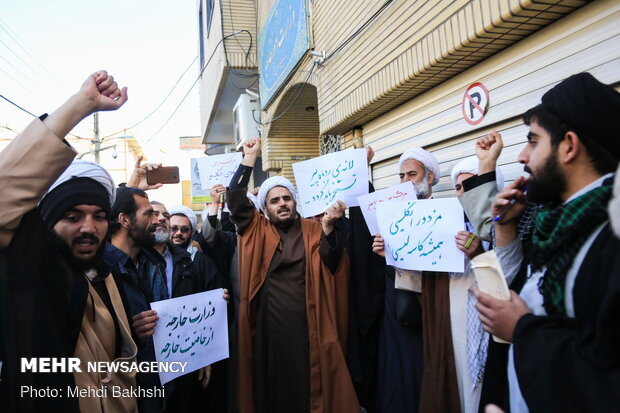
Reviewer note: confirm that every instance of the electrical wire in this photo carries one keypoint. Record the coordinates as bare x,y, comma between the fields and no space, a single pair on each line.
247,53
4,26
17,106
357,32
292,102
331,55
232,24
158,106
42,86
10,129
33,115
192,87
7,74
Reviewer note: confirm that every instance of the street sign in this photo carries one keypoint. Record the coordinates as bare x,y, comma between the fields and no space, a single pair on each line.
475,103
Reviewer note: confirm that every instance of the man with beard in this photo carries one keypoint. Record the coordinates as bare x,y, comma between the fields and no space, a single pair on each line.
183,277
57,298
162,236
292,318
416,357
565,324
183,224
133,260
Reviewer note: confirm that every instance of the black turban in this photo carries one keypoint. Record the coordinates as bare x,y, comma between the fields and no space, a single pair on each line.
589,107
76,191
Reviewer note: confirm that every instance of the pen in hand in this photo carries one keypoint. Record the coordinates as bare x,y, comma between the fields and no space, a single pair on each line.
507,207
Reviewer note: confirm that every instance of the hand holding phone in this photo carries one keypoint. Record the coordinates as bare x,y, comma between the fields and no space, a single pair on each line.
163,175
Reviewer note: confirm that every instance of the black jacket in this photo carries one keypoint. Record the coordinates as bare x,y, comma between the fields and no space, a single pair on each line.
42,303
190,277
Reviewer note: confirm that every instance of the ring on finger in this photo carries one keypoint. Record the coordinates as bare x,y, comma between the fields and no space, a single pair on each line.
470,240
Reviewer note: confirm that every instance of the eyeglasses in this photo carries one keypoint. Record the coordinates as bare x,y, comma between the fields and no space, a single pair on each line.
174,229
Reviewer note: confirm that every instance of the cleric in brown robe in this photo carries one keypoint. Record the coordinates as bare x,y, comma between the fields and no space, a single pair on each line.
293,307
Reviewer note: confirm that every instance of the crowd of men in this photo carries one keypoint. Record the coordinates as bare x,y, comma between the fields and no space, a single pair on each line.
318,322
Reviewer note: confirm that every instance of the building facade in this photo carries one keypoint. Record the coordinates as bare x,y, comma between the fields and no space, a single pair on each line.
395,74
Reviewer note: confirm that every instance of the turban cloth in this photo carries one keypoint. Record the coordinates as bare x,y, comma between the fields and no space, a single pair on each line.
425,157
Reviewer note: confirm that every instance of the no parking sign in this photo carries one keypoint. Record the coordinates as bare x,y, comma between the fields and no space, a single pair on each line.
475,103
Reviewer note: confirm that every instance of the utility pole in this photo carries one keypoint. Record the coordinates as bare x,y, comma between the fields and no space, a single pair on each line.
96,141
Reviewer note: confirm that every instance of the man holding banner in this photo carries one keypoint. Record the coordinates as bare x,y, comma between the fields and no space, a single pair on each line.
293,307
417,318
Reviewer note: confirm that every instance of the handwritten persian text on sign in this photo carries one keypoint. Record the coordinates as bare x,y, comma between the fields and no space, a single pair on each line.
218,169
336,176
369,203
419,235
191,329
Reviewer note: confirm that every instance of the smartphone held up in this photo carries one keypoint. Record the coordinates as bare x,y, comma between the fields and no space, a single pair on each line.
163,175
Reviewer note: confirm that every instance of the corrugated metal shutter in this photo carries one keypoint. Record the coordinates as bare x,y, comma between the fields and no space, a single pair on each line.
587,40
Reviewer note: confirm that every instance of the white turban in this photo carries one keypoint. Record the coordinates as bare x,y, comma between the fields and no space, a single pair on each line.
183,210
614,206
470,166
425,157
271,183
88,169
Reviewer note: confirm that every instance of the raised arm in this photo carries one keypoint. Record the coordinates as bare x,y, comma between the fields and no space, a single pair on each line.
488,150
138,176
331,249
211,225
39,155
241,209
99,92
480,190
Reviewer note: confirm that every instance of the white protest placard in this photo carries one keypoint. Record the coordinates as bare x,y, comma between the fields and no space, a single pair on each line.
192,329
419,235
199,195
218,169
336,176
370,202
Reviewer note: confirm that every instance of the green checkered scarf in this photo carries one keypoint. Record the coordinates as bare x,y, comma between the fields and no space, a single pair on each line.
558,235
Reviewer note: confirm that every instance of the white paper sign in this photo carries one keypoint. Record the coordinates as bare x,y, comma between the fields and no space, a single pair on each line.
199,195
419,235
218,169
336,176
192,329
370,202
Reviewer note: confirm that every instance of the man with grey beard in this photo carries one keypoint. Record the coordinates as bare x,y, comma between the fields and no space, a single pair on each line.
162,236
415,378
183,276
140,230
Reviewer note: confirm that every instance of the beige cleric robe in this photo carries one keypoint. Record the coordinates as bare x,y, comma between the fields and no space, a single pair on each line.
96,343
30,164
331,388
